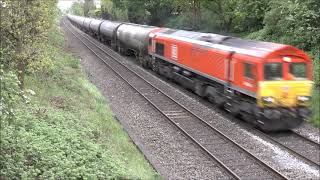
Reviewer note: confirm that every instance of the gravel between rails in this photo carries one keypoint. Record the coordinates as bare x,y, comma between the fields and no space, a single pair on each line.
308,149
170,152
292,167
309,131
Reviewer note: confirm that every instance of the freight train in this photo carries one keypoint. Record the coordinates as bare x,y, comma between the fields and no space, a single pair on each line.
266,84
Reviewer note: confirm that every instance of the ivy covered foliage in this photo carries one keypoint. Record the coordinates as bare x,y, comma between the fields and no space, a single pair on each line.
24,28
61,127
54,123
10,95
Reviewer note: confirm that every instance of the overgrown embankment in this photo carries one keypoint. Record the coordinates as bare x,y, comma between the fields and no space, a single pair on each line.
61,127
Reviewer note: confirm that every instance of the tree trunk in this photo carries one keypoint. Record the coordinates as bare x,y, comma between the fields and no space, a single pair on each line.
196,11
21,65
21,73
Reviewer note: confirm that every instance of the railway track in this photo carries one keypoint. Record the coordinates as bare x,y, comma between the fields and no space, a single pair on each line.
232,157
303,147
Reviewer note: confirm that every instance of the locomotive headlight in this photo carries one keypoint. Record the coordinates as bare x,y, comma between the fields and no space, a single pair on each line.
267,100
303,98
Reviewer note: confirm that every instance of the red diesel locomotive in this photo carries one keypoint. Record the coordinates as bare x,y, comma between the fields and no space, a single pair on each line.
266,83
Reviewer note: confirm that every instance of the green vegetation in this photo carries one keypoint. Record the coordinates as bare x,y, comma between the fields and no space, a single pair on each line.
63,127
24,26
54,123
85,8
316,107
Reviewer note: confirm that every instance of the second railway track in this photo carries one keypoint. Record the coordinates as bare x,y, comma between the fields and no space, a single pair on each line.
303,147
232,157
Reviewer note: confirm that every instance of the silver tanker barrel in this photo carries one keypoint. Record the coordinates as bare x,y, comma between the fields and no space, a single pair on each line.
134,37
94,26
76,20
108,31
86,24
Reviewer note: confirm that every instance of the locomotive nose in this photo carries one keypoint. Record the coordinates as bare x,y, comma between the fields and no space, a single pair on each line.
288,94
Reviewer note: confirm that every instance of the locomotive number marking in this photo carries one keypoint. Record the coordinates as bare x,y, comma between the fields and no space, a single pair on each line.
174,52
248,84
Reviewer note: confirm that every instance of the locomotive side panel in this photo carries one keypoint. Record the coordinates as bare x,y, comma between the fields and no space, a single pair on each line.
211,63
246,73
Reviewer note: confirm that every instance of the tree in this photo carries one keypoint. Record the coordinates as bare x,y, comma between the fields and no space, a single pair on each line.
249,15
24,26
87,7
77,8
158,11
224,10
193,6
152,12
295,22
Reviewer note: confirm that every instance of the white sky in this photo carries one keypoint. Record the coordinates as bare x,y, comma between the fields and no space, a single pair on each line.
65,4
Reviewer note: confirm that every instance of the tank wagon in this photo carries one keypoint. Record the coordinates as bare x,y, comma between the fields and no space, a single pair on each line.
94,27
108,30
267,84
134,37
76,21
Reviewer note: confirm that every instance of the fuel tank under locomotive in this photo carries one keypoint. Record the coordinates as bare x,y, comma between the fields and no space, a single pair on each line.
134,36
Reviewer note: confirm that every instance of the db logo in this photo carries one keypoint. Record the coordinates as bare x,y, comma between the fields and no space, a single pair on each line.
285,91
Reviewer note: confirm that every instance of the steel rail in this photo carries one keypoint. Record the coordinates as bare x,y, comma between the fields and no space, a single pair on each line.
306,138
286,147
183,107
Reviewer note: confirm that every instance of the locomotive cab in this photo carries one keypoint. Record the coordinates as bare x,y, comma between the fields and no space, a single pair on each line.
285,91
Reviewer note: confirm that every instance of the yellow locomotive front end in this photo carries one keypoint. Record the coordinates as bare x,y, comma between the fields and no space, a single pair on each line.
284,96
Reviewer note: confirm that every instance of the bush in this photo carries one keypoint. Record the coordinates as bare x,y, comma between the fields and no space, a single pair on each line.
293,22
10,95
67,131
42,145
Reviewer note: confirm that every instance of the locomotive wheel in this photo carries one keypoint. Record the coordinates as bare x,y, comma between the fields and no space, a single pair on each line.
199,88
154,65
210,93
234,108
143,62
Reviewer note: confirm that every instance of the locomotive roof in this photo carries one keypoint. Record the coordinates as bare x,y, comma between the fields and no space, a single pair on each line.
228,43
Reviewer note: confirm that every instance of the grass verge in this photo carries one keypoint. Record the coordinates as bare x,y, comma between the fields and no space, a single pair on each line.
67,131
